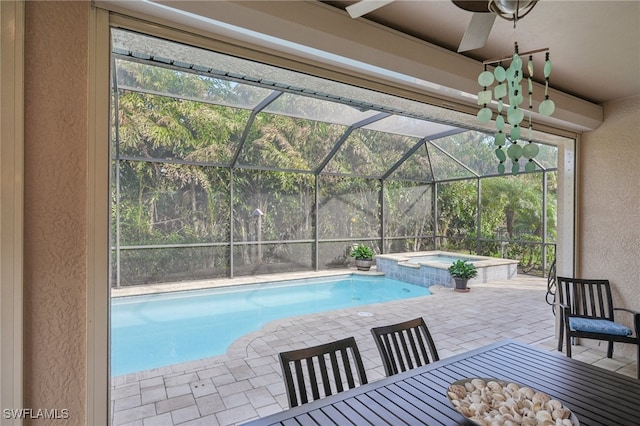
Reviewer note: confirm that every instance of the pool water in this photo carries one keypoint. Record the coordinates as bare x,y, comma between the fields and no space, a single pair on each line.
162,329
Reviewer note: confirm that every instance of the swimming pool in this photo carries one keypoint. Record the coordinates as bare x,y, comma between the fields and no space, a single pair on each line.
162,329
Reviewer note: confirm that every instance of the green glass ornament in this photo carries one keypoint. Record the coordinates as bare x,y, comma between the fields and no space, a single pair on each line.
501,168
501,155
484,97
547,107
530,166
499,122
500,139
515,168
499,73
500,91
484,115
514,151
515,115
530,150
515,133
516,61
485,78
547,68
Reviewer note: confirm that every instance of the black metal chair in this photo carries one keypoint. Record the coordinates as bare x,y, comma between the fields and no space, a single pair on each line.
587,312
333,365
405,346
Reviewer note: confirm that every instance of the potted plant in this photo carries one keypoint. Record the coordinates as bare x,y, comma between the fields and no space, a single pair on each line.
462,271
363,255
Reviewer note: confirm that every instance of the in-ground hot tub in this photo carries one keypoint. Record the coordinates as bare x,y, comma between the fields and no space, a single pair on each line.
427,268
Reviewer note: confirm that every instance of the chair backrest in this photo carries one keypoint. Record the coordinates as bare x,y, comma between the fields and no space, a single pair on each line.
315,372
586,298
405,346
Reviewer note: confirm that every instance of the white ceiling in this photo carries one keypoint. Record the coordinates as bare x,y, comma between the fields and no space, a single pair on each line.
594,45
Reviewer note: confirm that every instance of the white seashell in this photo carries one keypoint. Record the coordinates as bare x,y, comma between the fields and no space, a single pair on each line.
526,403
469,387
553,404
511,404
498,397
513,387
567,422
479,407
503,409
466,411
494,386
458,390
497,421
478,383
543,415
475,397
540,397
527,392
561,413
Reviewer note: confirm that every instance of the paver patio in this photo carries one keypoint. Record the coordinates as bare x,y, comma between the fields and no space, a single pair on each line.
246,383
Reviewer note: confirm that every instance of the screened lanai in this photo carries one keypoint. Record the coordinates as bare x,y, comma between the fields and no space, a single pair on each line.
225,167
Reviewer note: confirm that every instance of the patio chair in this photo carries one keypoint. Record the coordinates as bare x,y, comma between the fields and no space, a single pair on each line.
587,311
404,346
315,372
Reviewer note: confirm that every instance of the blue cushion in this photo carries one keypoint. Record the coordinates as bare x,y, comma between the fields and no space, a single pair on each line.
598,326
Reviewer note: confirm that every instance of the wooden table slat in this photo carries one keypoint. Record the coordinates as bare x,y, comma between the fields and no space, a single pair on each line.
424,404
386,416
402,409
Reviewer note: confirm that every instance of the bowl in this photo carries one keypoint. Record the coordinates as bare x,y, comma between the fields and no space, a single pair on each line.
483,400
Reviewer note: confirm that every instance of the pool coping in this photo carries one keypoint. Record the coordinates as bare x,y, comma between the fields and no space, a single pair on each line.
485,261
148,289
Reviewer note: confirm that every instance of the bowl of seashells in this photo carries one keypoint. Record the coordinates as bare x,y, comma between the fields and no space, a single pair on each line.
487,401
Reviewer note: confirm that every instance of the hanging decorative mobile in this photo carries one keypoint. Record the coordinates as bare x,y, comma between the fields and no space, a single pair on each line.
509,84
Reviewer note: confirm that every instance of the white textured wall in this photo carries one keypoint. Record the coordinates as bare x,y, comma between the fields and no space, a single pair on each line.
609,207
55,272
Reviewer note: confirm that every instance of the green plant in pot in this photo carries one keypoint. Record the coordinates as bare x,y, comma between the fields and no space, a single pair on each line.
462,271
363,255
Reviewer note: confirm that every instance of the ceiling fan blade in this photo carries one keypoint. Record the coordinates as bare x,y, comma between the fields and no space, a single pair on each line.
363,7
477,32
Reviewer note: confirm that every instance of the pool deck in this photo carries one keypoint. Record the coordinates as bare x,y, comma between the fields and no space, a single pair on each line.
246,383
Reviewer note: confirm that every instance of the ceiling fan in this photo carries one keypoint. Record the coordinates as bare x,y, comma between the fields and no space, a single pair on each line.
484,15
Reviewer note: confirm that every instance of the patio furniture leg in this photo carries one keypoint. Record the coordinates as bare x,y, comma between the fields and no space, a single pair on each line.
560,337
610,350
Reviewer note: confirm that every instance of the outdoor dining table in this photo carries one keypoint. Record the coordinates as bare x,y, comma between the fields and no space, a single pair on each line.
419,397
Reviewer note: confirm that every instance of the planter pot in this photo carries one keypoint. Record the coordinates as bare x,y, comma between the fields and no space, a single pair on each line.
461,284
363,264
